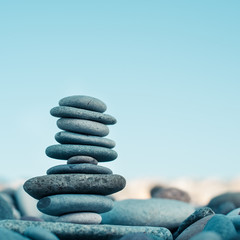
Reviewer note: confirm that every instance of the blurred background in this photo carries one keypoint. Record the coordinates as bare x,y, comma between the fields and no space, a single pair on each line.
167,70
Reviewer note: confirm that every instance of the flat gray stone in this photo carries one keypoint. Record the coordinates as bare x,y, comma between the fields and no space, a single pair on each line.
71,112
81,218
66,151
167,213
85,102
65,137
82,159
70,231
8,234
79,168
60,204
83,126
104,184
38,233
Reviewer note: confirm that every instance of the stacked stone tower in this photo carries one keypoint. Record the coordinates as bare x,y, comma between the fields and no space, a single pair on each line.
77,191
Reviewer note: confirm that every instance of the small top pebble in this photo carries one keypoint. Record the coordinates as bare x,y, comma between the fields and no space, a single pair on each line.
84,102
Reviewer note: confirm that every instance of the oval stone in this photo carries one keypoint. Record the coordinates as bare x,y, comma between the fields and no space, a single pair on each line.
60,204
222,225
83,126
65,151
81,218
71,112
233,197
65,137
82,159
85,102
148,212
70,231
104,184
79,168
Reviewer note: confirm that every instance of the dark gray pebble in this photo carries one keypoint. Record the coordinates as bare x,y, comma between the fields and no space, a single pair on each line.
170,193
66,151
79,168
233,197
85,102
71,112
46,185
225,208
65,137
82,159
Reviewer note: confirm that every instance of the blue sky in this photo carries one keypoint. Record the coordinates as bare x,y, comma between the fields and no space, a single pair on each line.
167,70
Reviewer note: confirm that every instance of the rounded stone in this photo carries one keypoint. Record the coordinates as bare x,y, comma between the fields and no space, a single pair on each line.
83,126
104,184
170,193
81,218
38,233
85,102
65,137
82,159
233,197
60,204
66,151
79,168
71,112
222,225
225,208
148,212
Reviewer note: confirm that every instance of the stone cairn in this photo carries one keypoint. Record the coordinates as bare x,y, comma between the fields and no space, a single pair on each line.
77,192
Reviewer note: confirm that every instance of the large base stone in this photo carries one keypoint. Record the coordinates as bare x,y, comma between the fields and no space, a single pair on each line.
70,231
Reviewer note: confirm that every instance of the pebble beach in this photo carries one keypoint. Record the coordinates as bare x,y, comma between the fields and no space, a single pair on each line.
83,200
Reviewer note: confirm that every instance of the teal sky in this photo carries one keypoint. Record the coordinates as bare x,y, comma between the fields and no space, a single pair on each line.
167,70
